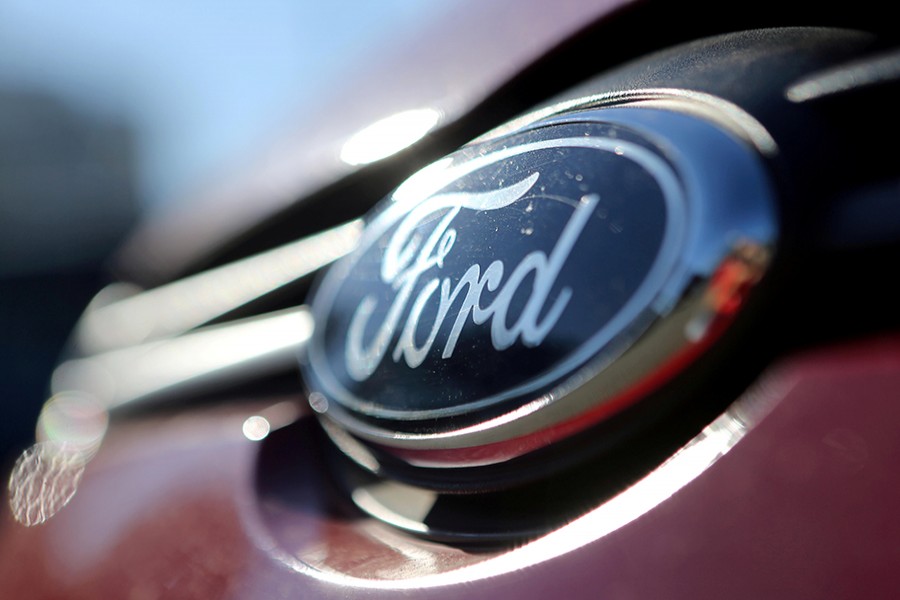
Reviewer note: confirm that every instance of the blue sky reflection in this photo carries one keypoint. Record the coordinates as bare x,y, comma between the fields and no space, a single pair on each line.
203,83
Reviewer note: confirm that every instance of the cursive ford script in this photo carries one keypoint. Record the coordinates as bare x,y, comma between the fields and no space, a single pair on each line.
408,257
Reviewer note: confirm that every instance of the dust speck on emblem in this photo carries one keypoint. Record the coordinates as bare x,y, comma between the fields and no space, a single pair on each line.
497,282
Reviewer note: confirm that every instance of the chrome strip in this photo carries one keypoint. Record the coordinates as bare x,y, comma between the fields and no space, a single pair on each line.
178,307
196,362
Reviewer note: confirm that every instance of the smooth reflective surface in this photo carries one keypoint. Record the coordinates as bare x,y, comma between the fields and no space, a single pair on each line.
133,347
73,423
257,427
340,549
540,282
491,271
178,307
43,480
46,476
75,418
259,516
208,357
389,136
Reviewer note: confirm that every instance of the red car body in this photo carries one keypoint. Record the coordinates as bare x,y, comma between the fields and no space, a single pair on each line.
791,492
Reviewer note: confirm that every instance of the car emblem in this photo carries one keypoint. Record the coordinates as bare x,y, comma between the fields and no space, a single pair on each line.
525,287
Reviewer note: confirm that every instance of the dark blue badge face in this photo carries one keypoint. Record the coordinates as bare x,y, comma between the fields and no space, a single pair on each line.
491,278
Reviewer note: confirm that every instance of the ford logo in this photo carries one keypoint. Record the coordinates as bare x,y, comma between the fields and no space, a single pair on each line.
498,280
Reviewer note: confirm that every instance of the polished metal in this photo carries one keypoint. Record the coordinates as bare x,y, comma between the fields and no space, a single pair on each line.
409,508
87,391
140,349
709,107
721,232
202,360
856,75
130,318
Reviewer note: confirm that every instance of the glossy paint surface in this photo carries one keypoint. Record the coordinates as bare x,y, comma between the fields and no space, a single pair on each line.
797,501
442,71
802,506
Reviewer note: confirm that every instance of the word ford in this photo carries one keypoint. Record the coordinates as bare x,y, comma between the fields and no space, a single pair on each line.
407,258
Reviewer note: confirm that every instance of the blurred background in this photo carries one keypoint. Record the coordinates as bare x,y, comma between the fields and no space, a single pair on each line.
113,111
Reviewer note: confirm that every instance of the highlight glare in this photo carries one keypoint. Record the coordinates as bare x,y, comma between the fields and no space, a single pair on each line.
43,480
256,428
389,135
73,418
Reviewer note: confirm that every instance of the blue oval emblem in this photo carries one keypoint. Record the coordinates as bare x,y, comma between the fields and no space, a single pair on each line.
490,278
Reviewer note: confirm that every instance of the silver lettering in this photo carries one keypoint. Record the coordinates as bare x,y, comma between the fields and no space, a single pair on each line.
407,258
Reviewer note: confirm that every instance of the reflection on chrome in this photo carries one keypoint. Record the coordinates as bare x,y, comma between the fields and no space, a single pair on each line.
259,426
133,346
713,108
844,78
178,307
418,502
70,429
43,481
728,287
202,360
73,419
689,463
256,428
389,135
350,446
714,442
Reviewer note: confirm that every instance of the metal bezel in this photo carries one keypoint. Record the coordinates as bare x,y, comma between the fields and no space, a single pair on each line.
718,213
